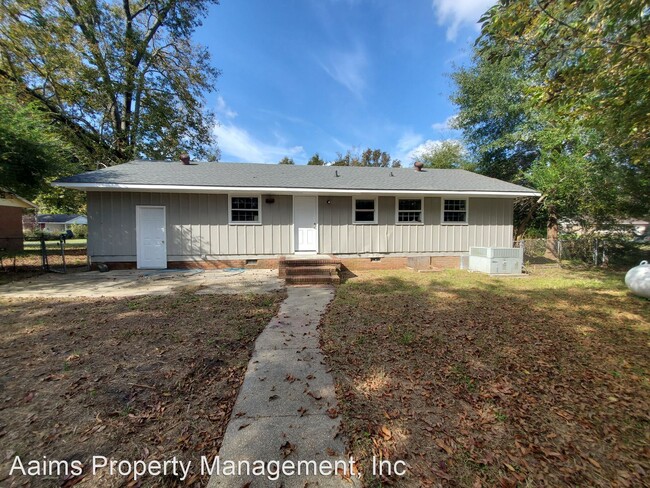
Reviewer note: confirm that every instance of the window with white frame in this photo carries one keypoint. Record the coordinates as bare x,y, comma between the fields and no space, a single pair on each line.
364,210
454,211
409,210
245,210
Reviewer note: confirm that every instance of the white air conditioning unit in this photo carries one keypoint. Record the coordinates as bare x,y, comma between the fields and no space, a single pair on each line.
496,260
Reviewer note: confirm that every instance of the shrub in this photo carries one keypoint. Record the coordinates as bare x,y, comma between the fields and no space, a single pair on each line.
35,235
80,231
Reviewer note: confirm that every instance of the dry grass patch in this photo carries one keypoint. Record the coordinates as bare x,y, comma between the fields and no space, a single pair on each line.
479,381
27,264
130,378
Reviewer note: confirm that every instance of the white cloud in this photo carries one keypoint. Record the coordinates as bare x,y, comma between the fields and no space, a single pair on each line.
348,68
416,151
223,110
448,124
427,146
406,143
455,13
344,146
410,146
237,142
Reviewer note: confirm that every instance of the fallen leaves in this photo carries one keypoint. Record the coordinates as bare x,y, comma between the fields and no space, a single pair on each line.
332,412
106,375
287,448
502,383
444,446
385,433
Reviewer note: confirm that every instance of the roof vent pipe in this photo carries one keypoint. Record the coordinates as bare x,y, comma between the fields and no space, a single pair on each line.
185,158
336,172
418,166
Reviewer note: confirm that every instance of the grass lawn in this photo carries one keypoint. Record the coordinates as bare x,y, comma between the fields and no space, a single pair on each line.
55,246
479,381
134,378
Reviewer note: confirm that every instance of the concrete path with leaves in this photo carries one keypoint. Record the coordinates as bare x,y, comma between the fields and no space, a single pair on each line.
286,409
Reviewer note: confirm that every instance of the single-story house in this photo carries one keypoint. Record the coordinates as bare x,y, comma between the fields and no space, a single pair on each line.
59,223
12,207
156,214
634,228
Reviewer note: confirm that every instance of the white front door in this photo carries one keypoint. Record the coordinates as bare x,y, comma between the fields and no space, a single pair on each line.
305,222
151,237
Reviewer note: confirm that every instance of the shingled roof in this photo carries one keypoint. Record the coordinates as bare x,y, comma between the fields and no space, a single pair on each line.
280,178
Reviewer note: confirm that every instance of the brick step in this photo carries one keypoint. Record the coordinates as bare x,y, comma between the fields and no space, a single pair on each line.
311,270
299,263
313,280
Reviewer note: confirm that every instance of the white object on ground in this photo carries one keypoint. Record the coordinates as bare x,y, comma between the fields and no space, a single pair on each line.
638,279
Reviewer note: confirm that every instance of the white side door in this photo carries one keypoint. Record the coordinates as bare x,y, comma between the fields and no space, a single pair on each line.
305,222
151,237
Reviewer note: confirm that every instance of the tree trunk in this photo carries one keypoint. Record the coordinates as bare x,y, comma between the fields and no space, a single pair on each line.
521,228
552,233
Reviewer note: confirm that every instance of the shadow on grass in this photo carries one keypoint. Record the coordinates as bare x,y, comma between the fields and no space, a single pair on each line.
123,377
542,379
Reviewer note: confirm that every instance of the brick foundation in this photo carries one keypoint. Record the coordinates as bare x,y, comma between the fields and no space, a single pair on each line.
365,264
225,263
203,264
348,263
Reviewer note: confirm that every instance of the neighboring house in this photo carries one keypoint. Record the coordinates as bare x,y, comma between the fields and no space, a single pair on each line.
59,223
635,228
160,214
11,220
640,229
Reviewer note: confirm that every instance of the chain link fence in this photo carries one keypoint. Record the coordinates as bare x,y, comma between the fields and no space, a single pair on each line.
35,259
585,250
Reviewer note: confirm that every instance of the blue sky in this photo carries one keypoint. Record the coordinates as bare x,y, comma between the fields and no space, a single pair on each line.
306,76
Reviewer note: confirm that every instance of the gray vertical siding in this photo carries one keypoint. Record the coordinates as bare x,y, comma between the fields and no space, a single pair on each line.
489,224
197,224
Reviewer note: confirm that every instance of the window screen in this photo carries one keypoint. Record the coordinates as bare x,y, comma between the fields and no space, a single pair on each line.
455,211
245,209
409,210
364,211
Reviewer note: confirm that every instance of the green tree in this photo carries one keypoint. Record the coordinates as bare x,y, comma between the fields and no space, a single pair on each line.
448,154
121,78
316,160
520,132
369,157
286,160
60,200
31,150
495,116
591,60
377,157
345,159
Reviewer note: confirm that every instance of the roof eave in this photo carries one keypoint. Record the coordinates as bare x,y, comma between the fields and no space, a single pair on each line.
283,190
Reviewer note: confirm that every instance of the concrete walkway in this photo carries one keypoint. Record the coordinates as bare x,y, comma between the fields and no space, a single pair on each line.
284,408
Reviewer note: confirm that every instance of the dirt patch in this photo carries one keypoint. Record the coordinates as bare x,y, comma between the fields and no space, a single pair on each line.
476,381
139,379
27,264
